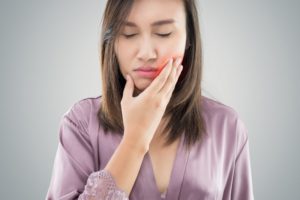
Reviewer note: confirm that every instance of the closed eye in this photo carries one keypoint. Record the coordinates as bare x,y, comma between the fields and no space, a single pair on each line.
161,35
129,36
164,35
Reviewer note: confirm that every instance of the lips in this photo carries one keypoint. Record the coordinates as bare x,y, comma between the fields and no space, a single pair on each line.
147,74
146,69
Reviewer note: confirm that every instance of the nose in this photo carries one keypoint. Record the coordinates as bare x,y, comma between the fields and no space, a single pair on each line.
146,50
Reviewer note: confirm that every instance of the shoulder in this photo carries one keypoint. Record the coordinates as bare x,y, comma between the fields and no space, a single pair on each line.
223,121
213,107
81,111
216,109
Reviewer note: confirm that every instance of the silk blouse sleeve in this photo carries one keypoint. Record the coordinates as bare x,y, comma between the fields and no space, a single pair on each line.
73,173
240,183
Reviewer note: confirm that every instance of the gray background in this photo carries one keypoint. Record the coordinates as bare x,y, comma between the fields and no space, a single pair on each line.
49,60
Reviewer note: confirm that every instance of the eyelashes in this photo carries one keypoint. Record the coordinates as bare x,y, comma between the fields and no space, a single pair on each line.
161,35
165,35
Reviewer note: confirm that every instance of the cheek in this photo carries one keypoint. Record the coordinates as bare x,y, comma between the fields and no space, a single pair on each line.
177,45
122,66
122,57
174,49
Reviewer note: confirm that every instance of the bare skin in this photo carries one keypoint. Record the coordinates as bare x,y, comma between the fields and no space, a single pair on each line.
162,159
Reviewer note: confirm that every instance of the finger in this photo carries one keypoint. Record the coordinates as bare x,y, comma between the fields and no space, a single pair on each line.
129,87
179,70
171,79
160,80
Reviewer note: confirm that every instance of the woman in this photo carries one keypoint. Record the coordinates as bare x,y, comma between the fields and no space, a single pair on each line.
151,135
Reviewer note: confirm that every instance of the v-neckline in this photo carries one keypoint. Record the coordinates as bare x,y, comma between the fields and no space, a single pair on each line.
176,177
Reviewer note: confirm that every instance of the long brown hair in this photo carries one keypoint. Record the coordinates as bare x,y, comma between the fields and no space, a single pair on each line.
184,107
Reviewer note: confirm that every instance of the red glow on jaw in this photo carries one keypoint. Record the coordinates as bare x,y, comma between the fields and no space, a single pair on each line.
165,60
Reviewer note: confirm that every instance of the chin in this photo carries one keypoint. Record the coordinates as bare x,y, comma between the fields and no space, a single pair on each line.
141,85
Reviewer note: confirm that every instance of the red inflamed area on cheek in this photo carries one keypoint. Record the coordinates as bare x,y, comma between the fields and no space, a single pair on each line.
164,62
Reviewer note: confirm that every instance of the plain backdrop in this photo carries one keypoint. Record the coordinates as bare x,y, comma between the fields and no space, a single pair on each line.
49,61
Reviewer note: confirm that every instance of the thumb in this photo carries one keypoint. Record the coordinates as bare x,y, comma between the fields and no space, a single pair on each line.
128,89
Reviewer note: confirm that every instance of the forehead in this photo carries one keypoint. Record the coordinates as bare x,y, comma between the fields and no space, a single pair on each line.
156,13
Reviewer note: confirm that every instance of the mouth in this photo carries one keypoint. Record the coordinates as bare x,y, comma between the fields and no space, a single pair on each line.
146,68
147,73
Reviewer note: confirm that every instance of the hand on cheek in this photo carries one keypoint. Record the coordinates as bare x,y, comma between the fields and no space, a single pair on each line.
165,60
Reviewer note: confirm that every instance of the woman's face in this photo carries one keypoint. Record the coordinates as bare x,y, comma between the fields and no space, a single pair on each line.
147,46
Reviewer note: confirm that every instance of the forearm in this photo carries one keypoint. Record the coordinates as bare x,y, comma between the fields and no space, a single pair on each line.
125,164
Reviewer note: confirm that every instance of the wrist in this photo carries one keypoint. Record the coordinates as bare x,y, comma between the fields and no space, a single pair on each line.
134,145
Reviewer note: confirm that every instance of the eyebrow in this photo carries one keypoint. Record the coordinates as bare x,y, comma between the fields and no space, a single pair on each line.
157,23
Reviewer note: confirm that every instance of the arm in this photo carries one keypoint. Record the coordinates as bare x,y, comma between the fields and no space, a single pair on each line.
239,184
125,164
118,177
242,178
73,174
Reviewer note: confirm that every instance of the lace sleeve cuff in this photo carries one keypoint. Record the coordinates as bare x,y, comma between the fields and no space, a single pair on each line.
101,186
